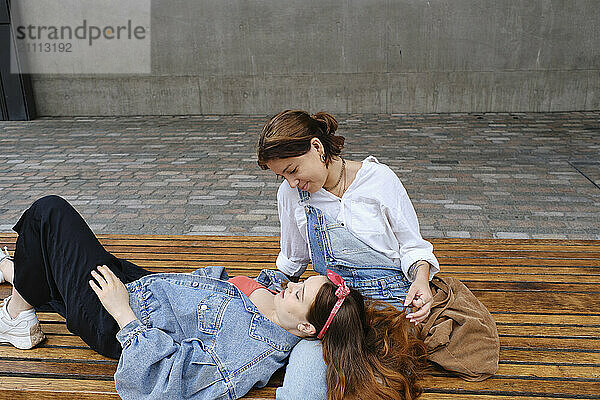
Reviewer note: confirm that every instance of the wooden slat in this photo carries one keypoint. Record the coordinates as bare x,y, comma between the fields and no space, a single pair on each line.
48,316
468,396
553,318
58,369
515,387
468,277
52,353
541,302
533,286
533,342
549,371
562,331
59,389
549,355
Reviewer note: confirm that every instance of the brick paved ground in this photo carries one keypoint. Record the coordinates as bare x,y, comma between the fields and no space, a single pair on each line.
520,175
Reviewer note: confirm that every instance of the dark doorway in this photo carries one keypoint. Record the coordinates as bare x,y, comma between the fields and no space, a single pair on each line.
16,99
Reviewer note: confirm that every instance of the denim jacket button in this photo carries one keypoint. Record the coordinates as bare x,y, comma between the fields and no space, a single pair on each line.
203,307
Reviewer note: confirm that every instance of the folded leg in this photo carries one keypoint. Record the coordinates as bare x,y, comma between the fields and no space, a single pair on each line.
55,253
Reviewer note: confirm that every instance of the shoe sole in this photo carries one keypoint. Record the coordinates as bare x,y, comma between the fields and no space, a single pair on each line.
35,337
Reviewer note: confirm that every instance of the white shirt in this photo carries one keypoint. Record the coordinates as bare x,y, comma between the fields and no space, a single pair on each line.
375,208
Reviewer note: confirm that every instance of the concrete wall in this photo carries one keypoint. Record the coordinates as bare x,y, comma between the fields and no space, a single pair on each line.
235,56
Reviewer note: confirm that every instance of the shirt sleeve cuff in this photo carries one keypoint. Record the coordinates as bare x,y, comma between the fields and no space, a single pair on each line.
288,267
414,256
129,331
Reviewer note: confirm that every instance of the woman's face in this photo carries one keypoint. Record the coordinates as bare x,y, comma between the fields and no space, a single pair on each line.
292,305
307,171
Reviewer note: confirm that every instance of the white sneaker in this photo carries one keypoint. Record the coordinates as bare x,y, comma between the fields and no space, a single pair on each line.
23,332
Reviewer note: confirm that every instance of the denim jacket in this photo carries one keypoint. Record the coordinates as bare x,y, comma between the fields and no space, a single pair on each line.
198,337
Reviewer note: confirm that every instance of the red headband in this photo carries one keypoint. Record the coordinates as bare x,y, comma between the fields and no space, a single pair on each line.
341,292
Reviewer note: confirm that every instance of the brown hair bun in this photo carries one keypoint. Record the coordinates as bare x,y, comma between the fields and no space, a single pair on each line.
329,122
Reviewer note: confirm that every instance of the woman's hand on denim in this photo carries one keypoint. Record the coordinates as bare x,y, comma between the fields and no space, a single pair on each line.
113,295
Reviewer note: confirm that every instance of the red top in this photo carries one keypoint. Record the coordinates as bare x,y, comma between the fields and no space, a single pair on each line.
246,285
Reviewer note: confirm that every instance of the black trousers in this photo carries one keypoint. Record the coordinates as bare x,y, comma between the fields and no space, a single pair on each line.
55,253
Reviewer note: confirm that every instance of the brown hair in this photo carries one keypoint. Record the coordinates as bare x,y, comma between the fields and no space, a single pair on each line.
369,348
288,134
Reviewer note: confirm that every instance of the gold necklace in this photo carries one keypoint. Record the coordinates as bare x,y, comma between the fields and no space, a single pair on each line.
342,188
339,178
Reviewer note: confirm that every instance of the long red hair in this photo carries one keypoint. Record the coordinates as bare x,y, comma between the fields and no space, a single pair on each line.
370,348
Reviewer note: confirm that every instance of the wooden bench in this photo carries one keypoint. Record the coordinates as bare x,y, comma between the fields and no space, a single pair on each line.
543,294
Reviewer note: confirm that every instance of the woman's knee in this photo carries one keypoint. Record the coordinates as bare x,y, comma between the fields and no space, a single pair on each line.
308,352
305,374
50,203
51,200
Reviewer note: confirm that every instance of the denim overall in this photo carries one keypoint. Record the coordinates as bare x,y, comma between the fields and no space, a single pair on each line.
334,247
